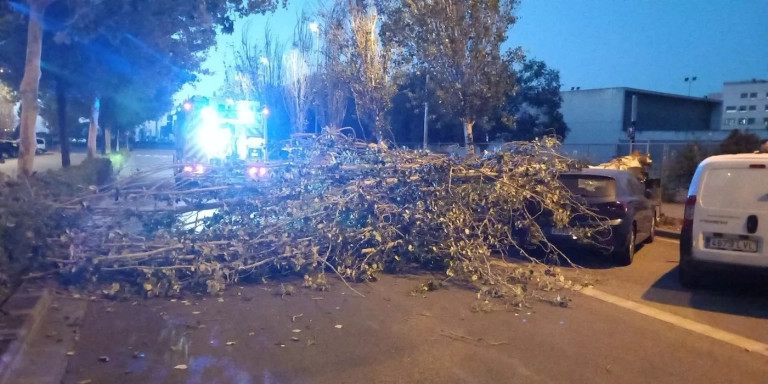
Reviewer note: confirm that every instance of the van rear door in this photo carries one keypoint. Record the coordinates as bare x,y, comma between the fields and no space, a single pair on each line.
731,214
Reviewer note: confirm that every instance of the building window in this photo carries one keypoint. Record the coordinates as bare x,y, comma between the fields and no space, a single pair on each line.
729,122
765,122
753,107
753,95
732,108
750,121
744,95
742,108
766,107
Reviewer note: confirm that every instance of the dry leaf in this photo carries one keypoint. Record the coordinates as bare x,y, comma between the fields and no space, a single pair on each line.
338,326
180,366
231,342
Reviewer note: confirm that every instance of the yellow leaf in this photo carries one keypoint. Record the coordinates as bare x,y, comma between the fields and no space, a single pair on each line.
147,286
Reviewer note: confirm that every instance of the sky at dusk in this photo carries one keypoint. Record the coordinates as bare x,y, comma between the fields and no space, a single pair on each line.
651,44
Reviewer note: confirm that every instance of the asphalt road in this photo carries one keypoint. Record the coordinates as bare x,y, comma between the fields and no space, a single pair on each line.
638,325
138,161
253,335
45,162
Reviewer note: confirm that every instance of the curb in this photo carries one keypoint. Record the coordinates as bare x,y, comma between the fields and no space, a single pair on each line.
26,306
669,234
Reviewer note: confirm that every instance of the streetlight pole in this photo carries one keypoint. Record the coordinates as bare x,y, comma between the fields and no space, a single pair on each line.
690,81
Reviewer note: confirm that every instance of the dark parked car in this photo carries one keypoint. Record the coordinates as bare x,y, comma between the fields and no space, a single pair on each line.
621,201
9,149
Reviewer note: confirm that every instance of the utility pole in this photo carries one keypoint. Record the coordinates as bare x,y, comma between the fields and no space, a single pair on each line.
426,114
633,124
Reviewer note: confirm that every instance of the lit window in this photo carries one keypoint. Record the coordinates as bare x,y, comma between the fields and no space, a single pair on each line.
742,121
744,95
742,108
753,107
729,122
753,95
732,108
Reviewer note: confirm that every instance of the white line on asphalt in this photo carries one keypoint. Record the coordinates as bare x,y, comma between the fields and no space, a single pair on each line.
674,241
703,329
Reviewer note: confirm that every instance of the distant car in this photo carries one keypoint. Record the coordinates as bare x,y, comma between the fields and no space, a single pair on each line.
9,149
619,200
725,225
40,146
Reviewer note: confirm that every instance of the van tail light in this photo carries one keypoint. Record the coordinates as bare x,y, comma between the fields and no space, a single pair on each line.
690,205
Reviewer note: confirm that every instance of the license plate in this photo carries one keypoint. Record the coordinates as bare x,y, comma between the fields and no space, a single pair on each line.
561,231
738,245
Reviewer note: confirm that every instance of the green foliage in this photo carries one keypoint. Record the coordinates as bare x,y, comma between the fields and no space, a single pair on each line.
339,205
31,218
458,42
682,166
739,142
532,109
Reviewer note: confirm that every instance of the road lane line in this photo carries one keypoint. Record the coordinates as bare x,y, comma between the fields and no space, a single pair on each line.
694,326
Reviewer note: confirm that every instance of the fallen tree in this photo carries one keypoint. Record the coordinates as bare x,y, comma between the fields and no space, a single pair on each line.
338,205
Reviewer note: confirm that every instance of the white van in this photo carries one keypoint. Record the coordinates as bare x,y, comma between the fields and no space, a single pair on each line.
726,216
40,146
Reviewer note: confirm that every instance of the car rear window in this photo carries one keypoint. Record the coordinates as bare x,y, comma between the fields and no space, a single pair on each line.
735,188
590,186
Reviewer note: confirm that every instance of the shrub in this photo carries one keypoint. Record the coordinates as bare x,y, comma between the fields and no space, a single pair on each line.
29,216
739,142
683,165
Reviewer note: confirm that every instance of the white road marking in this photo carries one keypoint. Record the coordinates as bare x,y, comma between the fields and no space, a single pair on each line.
662,239
694,326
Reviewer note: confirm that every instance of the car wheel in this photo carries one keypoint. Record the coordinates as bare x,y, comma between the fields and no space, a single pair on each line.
652,234
624,256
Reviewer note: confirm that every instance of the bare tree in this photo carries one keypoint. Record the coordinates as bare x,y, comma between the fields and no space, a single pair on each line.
370,70
330,88
298,67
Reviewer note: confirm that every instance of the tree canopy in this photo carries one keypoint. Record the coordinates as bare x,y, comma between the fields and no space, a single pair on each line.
458,43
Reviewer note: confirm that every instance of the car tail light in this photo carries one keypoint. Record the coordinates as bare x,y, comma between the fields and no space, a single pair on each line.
616,208
690,205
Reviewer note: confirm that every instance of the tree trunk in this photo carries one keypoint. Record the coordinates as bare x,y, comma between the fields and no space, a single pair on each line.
107,140
61,107
93,128
29,87
469,137
117,141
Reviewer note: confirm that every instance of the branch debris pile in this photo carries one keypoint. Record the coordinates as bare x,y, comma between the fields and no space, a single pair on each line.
338,205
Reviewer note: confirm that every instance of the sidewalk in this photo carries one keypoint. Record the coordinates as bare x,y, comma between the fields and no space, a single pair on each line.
673,210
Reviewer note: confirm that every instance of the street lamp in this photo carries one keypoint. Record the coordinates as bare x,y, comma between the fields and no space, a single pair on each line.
690,81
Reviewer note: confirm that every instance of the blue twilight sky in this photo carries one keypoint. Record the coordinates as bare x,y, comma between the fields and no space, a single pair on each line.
648,44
